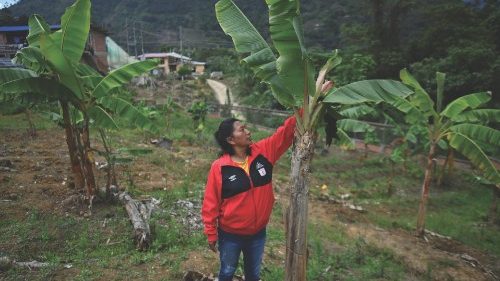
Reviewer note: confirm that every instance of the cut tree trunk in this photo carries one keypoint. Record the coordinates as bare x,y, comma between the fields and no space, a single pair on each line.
139,214
76,166
296,222
425,192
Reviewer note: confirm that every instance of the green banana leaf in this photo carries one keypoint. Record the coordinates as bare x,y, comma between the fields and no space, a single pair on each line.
293,64
247,40
440,78
373,91
118,77
345,140
354,126
85,70
31,58
357,111
11,74
91,82
472,101
421,98
470,149
478,133
37,25
125,110
75,26
479,116
60,65
101,118
36,88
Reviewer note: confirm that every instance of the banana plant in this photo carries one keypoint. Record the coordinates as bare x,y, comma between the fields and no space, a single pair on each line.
55,73
295,84
462,125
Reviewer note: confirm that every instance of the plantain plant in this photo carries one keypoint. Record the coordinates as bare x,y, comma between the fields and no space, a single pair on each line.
288,71
54,72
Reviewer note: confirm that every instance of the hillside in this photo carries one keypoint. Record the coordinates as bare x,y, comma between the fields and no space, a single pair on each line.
161,21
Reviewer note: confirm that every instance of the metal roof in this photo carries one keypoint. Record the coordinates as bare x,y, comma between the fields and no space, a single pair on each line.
164,55
23,28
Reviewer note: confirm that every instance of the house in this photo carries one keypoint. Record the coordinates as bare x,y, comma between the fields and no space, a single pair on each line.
172,62
96,51
13,38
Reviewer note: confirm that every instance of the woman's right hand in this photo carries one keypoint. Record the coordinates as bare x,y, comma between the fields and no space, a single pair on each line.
212,246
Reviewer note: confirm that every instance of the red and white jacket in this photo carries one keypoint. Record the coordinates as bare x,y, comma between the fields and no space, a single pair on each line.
238,202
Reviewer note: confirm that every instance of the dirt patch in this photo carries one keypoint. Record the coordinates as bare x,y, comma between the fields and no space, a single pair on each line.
39,177
438,258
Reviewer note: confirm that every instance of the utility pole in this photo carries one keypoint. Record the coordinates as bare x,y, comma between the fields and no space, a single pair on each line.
142,38
126,28
135,41
180,38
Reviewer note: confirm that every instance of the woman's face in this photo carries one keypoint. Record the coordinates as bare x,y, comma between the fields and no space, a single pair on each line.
241,135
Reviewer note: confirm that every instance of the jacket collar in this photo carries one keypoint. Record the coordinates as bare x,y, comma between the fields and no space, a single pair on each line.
225,159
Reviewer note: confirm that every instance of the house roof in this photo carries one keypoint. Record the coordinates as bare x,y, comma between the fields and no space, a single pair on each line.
7,63
23,28
164,55
198,63
15,28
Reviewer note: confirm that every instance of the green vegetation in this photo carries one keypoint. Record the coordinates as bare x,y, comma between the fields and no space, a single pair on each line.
354,197
38,235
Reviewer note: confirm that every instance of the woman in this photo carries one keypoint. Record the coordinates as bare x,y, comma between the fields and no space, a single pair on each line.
239,195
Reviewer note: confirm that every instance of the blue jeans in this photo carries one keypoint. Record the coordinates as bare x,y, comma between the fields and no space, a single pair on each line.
230,247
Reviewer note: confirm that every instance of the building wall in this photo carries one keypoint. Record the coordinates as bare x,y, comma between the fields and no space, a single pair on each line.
3,38
199,69
98,43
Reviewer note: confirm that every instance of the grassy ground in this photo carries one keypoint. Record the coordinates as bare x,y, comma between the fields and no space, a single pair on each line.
99,247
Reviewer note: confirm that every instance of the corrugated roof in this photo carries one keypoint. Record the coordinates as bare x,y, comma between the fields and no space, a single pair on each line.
164,55
7,63
23,28
179,56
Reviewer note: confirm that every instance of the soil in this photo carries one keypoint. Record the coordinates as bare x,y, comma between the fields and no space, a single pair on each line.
444,255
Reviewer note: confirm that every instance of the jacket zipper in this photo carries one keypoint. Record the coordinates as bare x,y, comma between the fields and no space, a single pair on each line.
253,197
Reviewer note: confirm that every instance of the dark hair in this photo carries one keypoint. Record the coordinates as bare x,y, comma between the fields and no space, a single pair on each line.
225,130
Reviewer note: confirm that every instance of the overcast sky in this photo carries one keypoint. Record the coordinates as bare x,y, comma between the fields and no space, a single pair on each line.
3,2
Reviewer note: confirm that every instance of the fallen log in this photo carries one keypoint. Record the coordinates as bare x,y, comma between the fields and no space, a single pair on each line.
7,263
343,203
139,213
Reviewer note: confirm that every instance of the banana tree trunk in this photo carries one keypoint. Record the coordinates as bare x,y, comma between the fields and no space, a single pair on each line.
296,223
492,215
76,166
447,163
425,191
87,159
29,117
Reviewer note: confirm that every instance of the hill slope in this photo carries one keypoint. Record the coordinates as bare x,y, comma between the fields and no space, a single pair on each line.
161,21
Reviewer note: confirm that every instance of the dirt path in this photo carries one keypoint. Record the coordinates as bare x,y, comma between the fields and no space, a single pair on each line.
220,91
441,259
